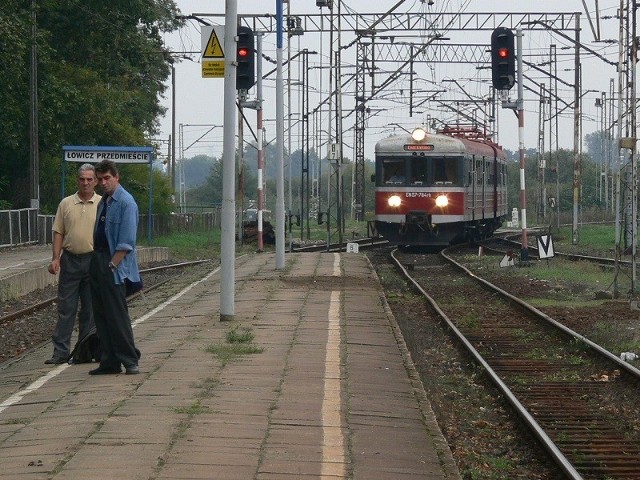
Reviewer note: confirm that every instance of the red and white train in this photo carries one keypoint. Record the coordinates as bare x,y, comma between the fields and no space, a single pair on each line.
439,189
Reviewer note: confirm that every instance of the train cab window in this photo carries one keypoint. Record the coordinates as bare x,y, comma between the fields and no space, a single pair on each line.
393,172
445,171
419,171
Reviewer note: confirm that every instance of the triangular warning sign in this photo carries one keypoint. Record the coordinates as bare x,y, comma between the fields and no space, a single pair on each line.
213,48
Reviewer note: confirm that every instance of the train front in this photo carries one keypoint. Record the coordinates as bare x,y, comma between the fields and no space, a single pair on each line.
420,193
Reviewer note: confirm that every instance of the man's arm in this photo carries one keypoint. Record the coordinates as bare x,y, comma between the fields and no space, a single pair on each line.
54,266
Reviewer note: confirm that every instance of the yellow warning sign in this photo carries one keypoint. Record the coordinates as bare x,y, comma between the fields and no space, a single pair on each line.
212,69
213,48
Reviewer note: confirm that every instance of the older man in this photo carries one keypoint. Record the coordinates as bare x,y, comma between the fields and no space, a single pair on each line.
72,250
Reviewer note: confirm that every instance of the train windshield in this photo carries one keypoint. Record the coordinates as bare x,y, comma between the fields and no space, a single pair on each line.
394,171
421,170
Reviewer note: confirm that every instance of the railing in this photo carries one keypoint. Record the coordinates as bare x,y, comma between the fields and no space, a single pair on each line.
26,227
18,227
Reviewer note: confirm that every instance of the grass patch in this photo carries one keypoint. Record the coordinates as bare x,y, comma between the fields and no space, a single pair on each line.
194,409
239,343
569,302
196,245
238,335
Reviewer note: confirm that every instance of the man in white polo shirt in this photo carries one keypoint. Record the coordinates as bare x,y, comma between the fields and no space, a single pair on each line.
72,249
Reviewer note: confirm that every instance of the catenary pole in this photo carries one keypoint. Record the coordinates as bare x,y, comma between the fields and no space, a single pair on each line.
227,240
259,140
524,252
280,223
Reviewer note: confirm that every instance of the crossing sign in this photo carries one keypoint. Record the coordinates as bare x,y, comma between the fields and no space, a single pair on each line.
545,246
212,39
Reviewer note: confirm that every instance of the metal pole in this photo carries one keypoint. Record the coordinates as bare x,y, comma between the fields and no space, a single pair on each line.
634,163
33,120
259,141
240,170
172,164
290,132
280,220
227,239
576,135
524,252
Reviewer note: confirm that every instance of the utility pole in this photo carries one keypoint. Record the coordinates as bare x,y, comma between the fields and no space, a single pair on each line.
576,135
227,238
280,214
172,163
34,151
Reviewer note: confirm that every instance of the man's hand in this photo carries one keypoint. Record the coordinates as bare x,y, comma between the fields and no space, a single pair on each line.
54,266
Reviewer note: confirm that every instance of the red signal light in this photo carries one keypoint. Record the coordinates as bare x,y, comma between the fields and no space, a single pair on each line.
243,52
503,52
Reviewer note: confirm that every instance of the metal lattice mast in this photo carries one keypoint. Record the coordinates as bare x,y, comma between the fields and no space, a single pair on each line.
542,161
626,187
358,184
304,180
335,216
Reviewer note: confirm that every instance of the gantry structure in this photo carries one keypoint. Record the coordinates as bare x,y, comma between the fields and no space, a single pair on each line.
373,58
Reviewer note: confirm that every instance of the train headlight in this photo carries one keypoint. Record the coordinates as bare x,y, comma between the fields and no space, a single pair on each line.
419,134
442,201
394,201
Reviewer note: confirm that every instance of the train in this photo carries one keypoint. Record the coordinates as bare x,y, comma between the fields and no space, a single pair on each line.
438,189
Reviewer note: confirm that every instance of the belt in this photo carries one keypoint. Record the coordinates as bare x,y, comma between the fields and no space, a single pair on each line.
77,254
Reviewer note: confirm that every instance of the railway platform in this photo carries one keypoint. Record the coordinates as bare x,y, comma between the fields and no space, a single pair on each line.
311,379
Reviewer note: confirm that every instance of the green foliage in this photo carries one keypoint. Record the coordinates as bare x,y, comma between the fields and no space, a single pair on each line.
559,172
189,245
102,68
210,192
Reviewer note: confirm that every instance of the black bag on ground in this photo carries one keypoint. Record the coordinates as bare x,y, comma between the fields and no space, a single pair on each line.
87,348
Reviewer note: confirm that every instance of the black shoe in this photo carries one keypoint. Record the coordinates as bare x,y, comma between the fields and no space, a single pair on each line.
105,371
132,370
55,360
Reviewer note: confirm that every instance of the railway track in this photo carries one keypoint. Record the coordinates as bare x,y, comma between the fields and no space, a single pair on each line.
573,395
39,305
28,324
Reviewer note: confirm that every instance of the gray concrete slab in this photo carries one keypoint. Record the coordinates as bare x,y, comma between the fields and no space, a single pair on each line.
330,391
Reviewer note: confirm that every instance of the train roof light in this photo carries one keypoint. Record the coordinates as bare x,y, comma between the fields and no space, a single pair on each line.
419,134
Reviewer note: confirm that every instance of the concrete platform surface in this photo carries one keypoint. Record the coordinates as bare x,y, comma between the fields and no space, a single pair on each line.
311,379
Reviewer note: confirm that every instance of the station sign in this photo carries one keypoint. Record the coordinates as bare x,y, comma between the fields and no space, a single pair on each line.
117,154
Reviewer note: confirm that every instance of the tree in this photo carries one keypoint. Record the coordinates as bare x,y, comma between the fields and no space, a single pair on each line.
102,68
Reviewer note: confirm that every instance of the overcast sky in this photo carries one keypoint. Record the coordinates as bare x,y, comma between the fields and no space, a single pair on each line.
199,100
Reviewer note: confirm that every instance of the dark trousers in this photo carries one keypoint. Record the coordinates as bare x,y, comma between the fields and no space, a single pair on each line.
111,315
73,286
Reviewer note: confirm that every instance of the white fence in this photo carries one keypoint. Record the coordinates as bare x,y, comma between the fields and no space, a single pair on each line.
26,227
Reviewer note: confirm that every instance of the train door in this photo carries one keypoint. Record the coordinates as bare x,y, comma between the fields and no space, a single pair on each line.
470,187
479,194
487,188
495,183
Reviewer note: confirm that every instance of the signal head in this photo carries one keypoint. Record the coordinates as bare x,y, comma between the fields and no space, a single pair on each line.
503,62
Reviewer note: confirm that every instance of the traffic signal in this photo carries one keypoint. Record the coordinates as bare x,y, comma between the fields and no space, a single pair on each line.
503,59
245,57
